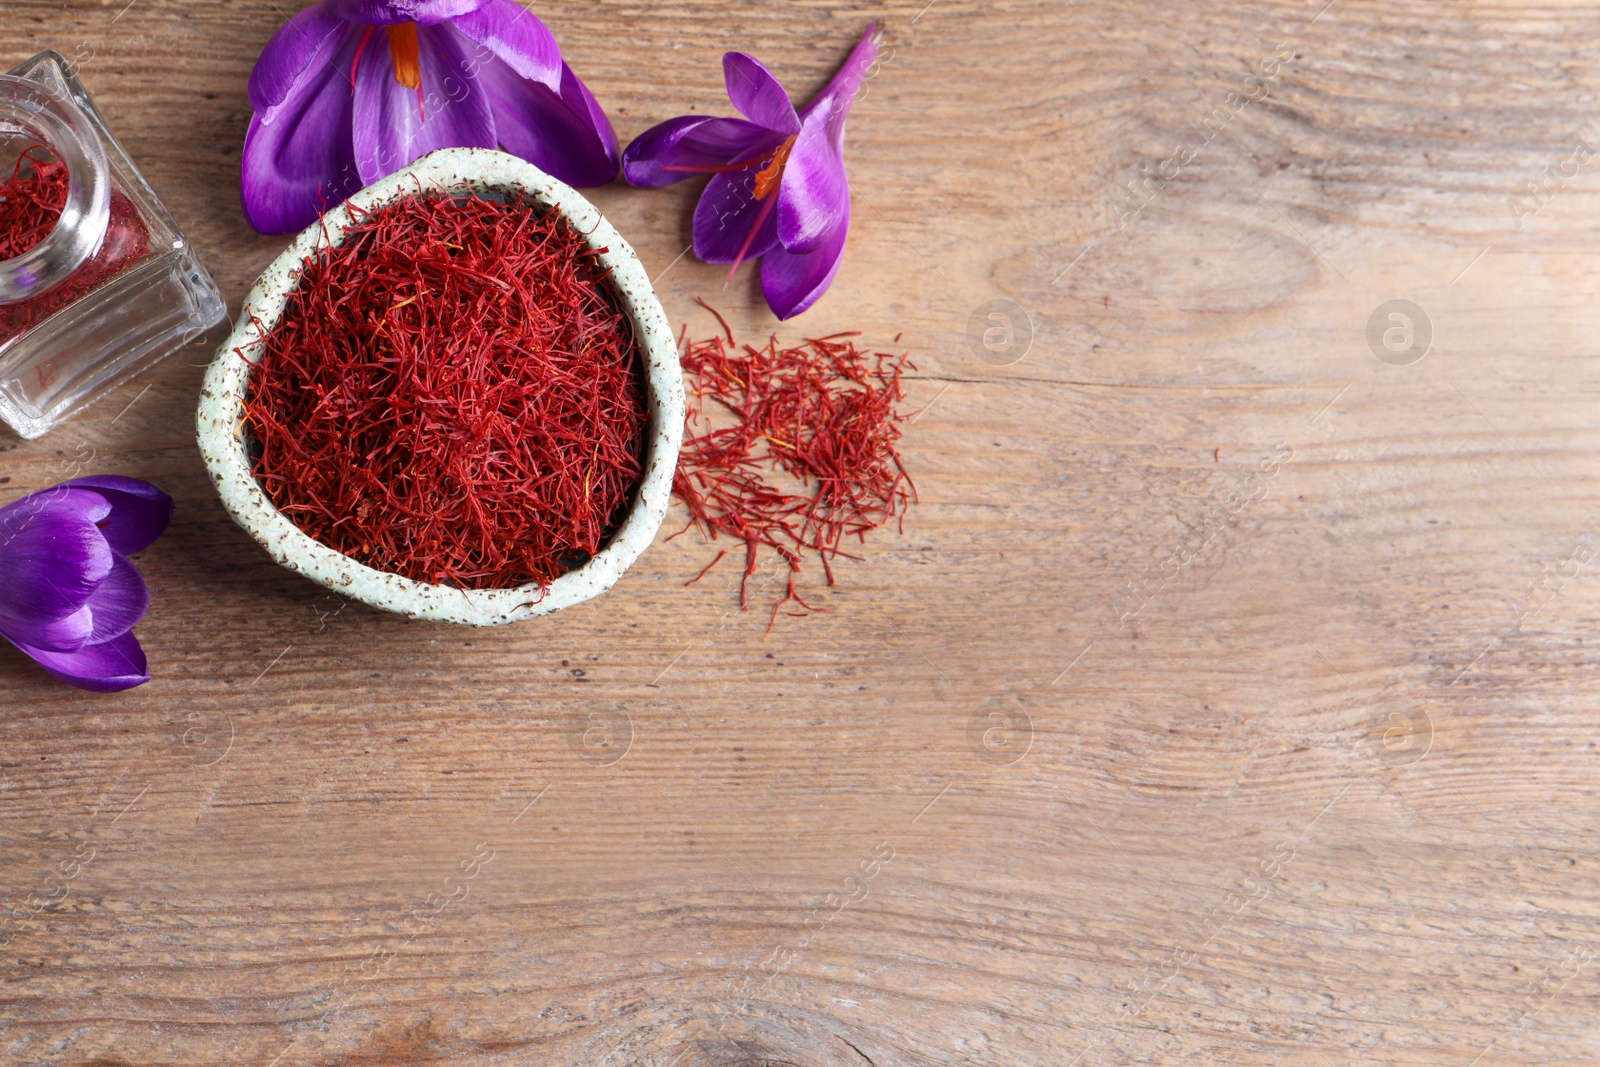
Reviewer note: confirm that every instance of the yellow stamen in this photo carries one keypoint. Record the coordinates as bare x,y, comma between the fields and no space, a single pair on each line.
407,57
767,177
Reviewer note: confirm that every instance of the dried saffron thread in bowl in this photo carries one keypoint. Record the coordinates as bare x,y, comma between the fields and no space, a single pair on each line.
453,394
791,448
31,202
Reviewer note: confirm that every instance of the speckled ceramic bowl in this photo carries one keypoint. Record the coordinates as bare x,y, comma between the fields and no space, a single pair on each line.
221,423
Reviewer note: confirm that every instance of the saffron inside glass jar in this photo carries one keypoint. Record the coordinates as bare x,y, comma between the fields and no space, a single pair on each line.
96,281
31,201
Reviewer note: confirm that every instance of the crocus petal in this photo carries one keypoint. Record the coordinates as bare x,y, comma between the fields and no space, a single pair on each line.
725,215
841,90
815,192
52,555
670,151
17,514
576,95
66,634
393,127
119,602
755,91
507,31
139,513
109,667
298,158
792,281
564,134
306,41
813,195
389,12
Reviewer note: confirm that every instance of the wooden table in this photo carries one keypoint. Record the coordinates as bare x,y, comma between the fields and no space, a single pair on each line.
1228,698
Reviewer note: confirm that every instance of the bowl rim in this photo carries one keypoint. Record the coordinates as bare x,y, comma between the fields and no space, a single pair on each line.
220,416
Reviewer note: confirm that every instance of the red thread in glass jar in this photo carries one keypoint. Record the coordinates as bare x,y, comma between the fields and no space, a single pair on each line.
31,201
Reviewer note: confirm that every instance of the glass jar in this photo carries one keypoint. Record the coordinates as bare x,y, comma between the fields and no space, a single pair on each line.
113,286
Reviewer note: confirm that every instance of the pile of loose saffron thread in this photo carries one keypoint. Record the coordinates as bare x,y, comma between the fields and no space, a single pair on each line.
453,394
31,202
824,416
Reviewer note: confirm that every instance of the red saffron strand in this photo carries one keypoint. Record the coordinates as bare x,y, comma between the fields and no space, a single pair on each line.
721,168
453,394
796,450
31,201
708,567
361,47
761,217
726,329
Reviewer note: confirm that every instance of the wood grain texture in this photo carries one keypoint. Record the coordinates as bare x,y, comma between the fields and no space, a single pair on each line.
1124,752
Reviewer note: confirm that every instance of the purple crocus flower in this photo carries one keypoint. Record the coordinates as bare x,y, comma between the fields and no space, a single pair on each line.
68,595
778,188
339,104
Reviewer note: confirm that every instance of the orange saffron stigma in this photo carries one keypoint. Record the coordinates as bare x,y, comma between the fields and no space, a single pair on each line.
767,177
407,56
